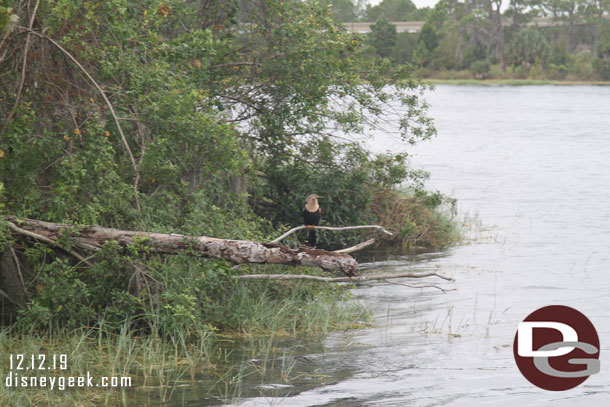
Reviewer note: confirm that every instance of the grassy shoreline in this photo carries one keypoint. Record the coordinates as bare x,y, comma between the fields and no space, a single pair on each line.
205,319
161,362
512,82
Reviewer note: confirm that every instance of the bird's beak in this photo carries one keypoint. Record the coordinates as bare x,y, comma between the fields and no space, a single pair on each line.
318,196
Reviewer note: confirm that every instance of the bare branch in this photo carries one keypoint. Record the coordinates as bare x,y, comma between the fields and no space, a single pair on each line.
235,64
5,295
359,246
339,279
46,240
18,264
23,69
444,290
291,231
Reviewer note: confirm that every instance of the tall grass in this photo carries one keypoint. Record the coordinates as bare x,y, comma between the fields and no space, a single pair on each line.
417,218
151,361
159,361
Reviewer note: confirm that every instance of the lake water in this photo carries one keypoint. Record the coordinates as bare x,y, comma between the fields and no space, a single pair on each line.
531,166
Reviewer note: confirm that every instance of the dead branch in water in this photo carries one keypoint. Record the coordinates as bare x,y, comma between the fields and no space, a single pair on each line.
359,246
340,279
444,290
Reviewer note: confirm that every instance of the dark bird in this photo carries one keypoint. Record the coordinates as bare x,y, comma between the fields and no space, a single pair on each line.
311,217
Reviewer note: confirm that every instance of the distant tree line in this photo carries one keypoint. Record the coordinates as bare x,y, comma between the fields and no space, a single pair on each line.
499,38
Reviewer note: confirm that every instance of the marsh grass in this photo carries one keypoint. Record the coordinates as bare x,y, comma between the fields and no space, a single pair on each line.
160,362
417,218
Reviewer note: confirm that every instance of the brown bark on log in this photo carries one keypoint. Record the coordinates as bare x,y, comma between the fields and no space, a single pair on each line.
236,251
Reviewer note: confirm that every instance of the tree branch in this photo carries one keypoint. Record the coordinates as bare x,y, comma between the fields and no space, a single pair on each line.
23,69
340,279
46,240
25,290
291,231
235,64
444,290
359,246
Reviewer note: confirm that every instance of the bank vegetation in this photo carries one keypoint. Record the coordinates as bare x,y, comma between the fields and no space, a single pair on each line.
202,118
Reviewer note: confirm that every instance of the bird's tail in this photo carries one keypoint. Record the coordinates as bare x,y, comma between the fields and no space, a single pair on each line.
311,238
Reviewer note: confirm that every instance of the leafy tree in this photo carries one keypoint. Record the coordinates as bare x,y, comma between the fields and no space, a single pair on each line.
521,12
429,37
347,10
602,51
187,117
426,44
404,47
382,37
528,46
394,10
480,69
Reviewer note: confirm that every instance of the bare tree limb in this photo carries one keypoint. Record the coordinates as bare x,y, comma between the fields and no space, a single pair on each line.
23,69
291,231
5,295
340,279
18,264
359,246
46,240
444,290
235,64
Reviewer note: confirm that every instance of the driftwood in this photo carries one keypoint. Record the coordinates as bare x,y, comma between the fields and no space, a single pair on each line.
379,277
369,277
359,246
91,238
291,231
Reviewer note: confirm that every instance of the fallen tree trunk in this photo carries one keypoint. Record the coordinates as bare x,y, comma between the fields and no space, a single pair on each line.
91,238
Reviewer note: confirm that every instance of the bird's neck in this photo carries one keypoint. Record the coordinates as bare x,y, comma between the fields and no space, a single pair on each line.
312,206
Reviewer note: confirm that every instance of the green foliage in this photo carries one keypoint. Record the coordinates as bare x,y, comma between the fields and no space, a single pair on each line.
480,68
429,37
467,32
602,60
382,37
417,217
215,118
426,44
393,10
345,175
346,10
66,297
527,46
404,47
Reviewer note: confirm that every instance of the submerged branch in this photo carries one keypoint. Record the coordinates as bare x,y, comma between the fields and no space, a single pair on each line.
340,279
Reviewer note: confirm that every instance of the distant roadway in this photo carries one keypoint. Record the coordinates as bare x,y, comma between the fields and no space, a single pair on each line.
415,26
